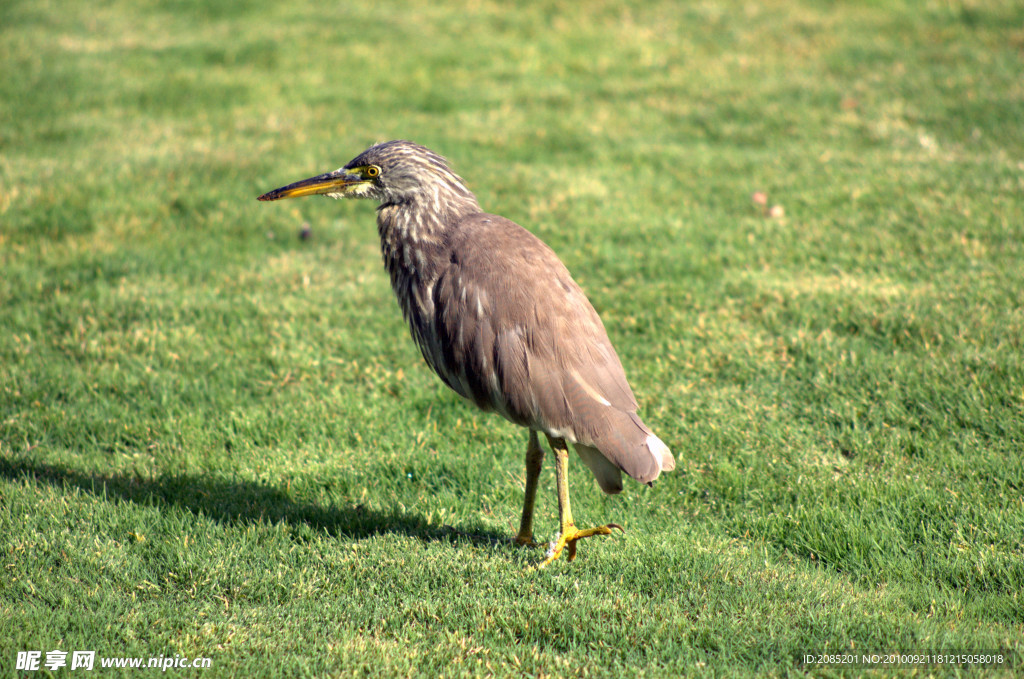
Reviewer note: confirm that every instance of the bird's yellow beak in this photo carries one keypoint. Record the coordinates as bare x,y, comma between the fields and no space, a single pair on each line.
337,183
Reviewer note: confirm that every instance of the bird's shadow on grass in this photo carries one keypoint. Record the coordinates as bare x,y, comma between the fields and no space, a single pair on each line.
245,503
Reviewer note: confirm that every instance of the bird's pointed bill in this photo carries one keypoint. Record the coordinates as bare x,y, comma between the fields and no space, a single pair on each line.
336,183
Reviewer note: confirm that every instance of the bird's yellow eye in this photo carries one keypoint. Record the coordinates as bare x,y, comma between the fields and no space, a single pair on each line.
372,171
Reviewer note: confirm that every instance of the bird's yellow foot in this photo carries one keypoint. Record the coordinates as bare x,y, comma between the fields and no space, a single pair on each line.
568,538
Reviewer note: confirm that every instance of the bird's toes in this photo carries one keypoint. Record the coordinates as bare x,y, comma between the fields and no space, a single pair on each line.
527,541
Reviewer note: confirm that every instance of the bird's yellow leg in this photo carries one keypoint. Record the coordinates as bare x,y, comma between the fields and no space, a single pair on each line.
534,460
569,533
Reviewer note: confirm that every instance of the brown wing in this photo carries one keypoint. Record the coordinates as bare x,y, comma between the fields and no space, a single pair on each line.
517,335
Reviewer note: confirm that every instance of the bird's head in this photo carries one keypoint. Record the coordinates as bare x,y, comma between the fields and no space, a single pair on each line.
395,172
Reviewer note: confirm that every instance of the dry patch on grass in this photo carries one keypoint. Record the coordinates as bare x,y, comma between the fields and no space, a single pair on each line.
878,288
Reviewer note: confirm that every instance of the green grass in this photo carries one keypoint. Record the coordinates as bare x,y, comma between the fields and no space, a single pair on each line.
217,439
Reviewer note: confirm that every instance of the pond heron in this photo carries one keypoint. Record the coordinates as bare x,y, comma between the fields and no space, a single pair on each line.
500,320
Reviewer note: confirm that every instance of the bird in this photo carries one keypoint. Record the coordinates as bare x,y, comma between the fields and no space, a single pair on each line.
500,320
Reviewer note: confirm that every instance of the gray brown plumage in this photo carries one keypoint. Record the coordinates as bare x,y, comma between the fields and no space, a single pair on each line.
498,317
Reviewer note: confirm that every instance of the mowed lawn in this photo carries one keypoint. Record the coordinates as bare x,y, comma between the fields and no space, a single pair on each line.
803,226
